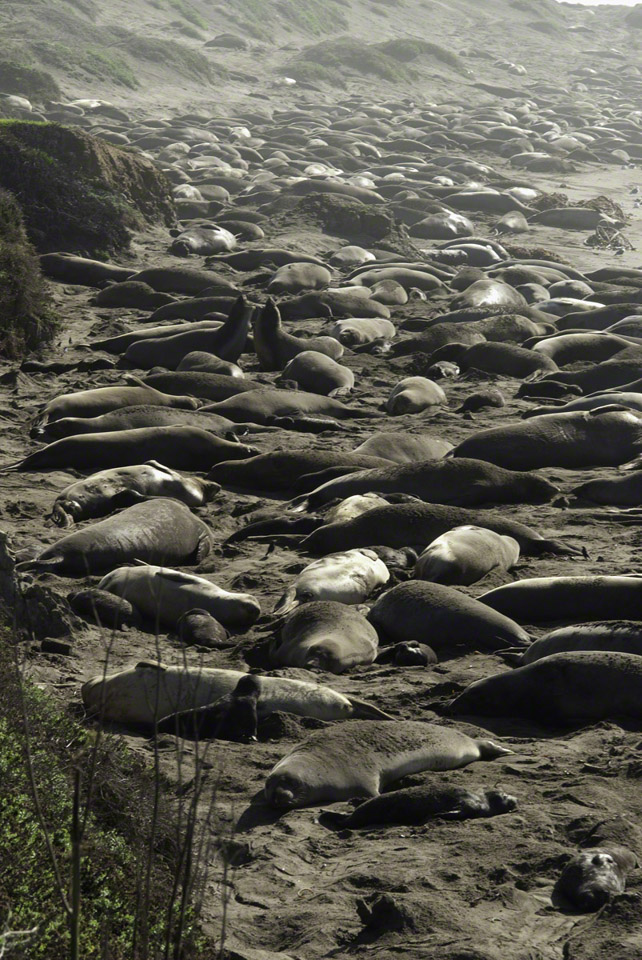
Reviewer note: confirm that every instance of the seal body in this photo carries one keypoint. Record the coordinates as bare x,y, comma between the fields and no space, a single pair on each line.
234,717
563,688
621,636
404,447
539,599
439,615
162,596
123,486
466,554
93,403
325,634
595,876
348,577
361,759
413,395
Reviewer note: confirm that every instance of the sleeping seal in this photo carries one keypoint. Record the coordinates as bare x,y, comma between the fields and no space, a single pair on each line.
348,577
539,599
155,531
595,876
416,805
439,615
414,394
326,635
619,491
103,492
162,596
561,689
465,555
404,447
622,636
92,403
149,691
357,759
234,717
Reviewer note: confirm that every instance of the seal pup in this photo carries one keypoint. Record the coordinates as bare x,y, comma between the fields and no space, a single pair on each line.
414,394
595,876
162,596
234,717
440,615
361,759
200,627
564,688
324,634
104,609
149,691
155,531
538,599
621,636
348,577
414,806
108,490
317,373
465,555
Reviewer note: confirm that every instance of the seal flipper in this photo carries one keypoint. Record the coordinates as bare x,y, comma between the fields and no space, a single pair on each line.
334,821
287,602
367,711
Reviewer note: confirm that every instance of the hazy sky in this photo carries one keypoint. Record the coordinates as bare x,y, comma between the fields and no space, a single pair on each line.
594,3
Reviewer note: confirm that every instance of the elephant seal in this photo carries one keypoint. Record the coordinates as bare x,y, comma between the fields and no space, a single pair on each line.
621,636
275,347
234,717
354,507
135,418
620,399
324,634
348,577
103,492
155,531
180,448
441,481
200,627
203,241
199,383
67,268
293,278
504,359
408,654
204,362
414,394
465,555
564,688
227,342
414,806
279,471
580,347
599,376
481,399
355,331
187,280
260,406
440,615
618,491
149,691
104,609
318,373
593,877
404,447
539,599
121,342
604,437
162,595
417,524
361,759
93,403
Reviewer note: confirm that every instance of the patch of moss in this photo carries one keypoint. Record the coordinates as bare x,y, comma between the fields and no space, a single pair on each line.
78,193
304,72
27,81
345,53
407,49
26,317
189,13
189,63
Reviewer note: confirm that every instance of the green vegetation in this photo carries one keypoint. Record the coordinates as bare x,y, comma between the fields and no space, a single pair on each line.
409,49
99,63
188,13
78,193
26,318
313,73
27,81
189,63
348,54
126,860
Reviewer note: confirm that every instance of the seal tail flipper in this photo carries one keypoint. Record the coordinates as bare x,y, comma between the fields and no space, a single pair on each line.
367,711
333,821
287,602
52,564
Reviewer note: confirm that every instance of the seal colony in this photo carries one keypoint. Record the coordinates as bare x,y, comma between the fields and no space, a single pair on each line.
367,307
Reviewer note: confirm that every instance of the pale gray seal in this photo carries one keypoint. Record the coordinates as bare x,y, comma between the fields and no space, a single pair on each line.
261,405
622,636
465,555
92,403
324,634
539,599
318,373
414,394
357,759
348,577
405,447
440,616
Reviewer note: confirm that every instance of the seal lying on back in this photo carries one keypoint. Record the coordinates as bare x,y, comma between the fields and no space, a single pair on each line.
593,877
562,688
622,636
466,554
461,482
280,470
348,577
180,448
162,595
361,759
417,524
539,599
103,492
604,437
149,691
415,805
439,615
324,634
156,531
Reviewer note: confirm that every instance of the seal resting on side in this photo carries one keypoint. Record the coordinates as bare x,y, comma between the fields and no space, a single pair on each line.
622,636
540,599
415,805
358,759
348,577
466,554
324,634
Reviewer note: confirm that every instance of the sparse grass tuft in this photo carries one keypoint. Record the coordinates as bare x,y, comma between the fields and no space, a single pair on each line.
27,81
407,49
351,55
